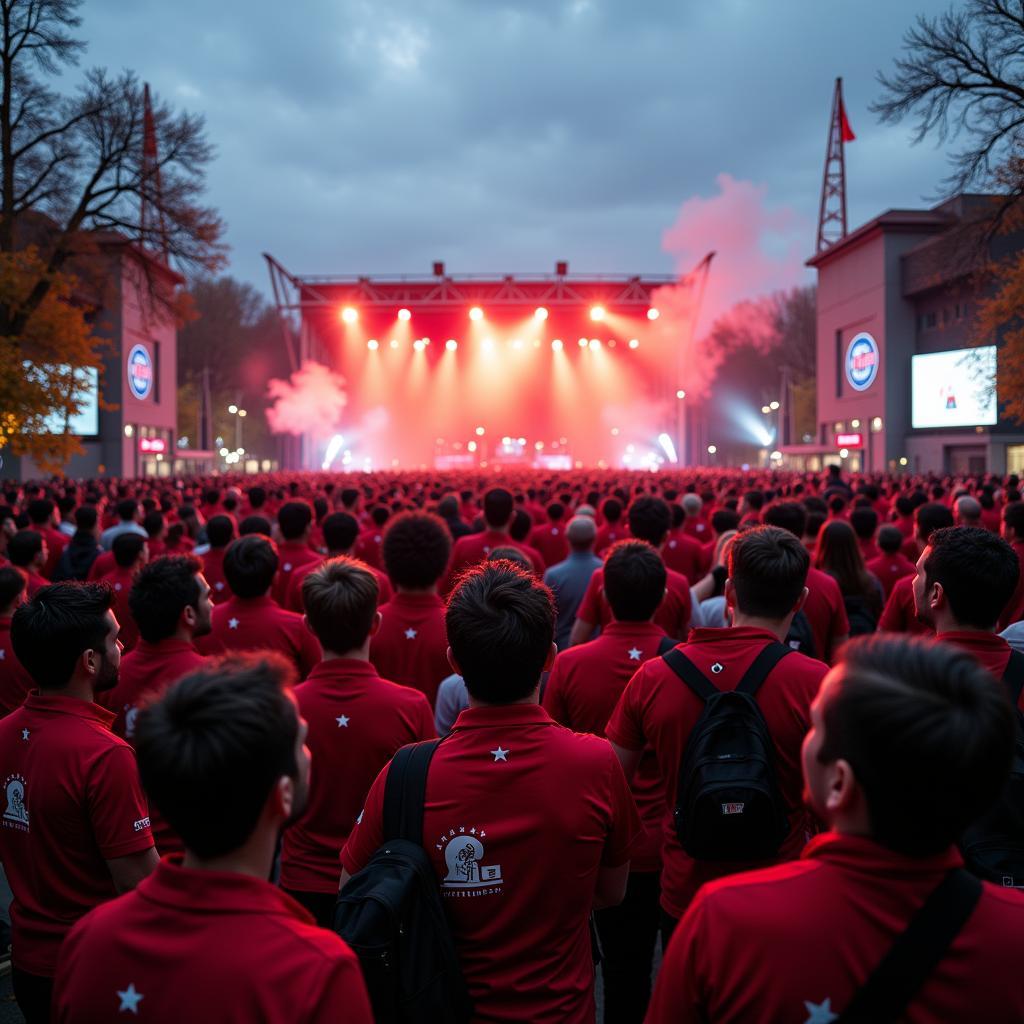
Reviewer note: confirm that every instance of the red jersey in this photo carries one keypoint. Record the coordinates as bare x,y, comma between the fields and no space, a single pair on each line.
356,723
33,583
673,614
72,802
890,568
868,548
609,534
120,581
825,611
549,540
796,942
411,646
685,555
103,563
583,688
290,555
189,945
657,708
911,549
293,599
15,682
258,624
368,546
213,573
520,816
1014,610
55,544
475,547
698,528
988,648
899,615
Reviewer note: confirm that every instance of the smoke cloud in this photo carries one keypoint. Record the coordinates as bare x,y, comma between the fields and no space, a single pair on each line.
311,401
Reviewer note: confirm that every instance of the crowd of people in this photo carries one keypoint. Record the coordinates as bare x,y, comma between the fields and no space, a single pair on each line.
768,722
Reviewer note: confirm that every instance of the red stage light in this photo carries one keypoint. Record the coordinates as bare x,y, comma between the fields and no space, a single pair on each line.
597,312
634,343
349,315
404,314
372,345
540,313
556,345
653,314
476,313
451,344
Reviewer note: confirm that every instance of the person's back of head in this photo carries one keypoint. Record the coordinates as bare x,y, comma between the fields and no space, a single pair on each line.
341,531
257,497
498,508
154,524
754,500
510,554
40,511
692,505
448,507
258,525
522,523
294,519
415,549
931,516
904,506
890,539
128,549
62,625
500,624
220,753
767,572
220,531
211,496
249,566
634,581
649,520
786,515
127,510
913,737
839,555
611,509
581,533
86,518
678,515
340,598
25,548
836,504
864,521
723,520
12,589
556,512
968,511
972,571
162,591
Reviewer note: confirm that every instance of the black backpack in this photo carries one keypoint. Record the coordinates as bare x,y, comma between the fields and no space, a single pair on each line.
862,620
993,847
728,805
800,636
391,913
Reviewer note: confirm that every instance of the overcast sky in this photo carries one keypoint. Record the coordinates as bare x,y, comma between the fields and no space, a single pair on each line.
374,136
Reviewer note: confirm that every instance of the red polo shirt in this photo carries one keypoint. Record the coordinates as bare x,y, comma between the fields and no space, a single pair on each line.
34,583
290,555
549,540
795,942
825,611
356,723
103,564
673,614
609,534
475,547
190,945
520,816
293,599
213,572
72,802
890,568
259,624
659,709
120,581
1014,610
583,688
411,646
15,682
368,546
55,544
684,555
988,648
899,615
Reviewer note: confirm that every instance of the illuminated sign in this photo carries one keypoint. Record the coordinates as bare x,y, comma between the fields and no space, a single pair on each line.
849,440
140,371
862,359
152,445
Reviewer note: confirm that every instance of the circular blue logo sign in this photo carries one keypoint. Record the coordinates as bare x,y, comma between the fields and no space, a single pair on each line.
862,359
140,371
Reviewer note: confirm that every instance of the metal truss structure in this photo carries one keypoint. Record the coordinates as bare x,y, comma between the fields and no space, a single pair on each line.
832,211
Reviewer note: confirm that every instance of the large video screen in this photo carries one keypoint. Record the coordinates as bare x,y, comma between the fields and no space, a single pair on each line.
87,422
954,389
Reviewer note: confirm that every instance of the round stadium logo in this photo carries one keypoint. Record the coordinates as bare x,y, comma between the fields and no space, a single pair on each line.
862,359
140,371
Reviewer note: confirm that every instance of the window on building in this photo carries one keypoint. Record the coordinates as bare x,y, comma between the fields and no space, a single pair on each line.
1015,459
930,320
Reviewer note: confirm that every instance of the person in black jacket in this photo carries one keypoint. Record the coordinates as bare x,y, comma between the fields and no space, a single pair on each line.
82,550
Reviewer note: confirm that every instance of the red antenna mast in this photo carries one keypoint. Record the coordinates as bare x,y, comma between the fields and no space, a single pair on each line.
151,213
832,213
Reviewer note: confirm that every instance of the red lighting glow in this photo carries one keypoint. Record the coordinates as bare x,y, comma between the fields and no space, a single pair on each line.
540,313
404,315
373,345
451,344
349,315
653,314
634,342
597,312
476,313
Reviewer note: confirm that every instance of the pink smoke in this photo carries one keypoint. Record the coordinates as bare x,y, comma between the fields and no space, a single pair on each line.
311,401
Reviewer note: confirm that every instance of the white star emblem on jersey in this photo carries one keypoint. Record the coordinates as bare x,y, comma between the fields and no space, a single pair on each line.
634,654
130,999
499,754
232,623
342,721
287,567
25,734
410,634
218,585
820,1013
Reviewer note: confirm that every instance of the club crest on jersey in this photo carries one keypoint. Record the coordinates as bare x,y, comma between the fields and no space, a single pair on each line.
467,874
736,808
16,813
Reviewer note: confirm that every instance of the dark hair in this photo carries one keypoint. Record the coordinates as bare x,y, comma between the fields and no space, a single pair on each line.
380,515
498,507
39,511
978,572
634,580
340,598
510,554
786,515
50,632
340,531
927,733
864,522
294,517
890,539
23,547
768,568
415,550
160,592
723,520
755,499
556,511
930,517
12,583
126,548
522,523
257,497
249,565
500,623
840,556
220,531
611,509
254,525
649,520
85,517
211,750
127,509
153,523
1013,516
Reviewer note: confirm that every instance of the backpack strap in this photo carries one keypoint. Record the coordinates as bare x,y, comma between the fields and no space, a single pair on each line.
690,674
405,791
761,667
1013,676
916,952
666,644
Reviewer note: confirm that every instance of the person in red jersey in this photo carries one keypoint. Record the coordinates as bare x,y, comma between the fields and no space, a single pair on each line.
649,520
295,521
613,528
220,532
27,551
131,553
582,690
340,532
529,825
891,565
357,721
929,516
15,682
549,538
909,743
411,646
499,509
206,937
75,827
766,587
250,620
42,517
824,608
696,524
519,533
681,552
864,522
370,540
1012,531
